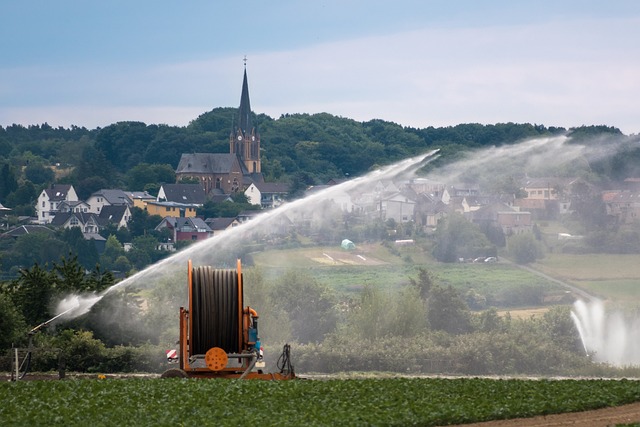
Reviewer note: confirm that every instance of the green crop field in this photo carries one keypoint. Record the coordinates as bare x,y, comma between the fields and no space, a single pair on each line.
395,401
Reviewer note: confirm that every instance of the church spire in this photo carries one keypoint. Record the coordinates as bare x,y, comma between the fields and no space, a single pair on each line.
244,141
244,112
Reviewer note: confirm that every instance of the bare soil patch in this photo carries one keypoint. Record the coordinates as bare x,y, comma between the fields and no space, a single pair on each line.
625,414
341,257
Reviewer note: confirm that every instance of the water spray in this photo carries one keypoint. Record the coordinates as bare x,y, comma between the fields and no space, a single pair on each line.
203,250
21,368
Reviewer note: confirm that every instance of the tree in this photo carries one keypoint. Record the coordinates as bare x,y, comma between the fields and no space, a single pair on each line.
40,248
447,311
39,174
71,277
99,280
457,238
424,282
524,248
8,181
85,250
145,174
310,305
226,209
12,325
32,293
123,144
23,199
93,173
141,221
112,250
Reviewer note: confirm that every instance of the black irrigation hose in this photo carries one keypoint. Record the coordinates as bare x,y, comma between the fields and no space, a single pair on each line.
284,361
215,316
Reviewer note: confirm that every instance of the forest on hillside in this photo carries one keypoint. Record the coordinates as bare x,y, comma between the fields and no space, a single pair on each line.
301,149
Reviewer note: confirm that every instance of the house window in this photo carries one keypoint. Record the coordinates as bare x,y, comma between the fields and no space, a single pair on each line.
43,202
194,237
73,221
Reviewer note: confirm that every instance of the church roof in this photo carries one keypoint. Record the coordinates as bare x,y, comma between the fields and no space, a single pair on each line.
208,163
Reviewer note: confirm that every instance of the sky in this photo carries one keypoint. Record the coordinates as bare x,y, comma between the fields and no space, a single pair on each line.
417,63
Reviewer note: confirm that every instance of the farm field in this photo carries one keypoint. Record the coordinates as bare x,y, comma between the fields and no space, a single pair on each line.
394,401
612,277
374,265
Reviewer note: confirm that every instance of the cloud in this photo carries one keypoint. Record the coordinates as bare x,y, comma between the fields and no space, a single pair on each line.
563,73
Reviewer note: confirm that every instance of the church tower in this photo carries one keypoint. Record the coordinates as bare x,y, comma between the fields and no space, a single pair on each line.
244,141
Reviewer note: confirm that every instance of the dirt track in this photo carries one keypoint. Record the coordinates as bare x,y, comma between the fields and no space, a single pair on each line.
625,414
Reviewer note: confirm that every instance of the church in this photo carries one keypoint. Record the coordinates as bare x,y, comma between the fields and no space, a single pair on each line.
226,173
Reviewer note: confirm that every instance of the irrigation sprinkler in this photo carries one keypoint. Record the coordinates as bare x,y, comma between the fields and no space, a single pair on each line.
20,367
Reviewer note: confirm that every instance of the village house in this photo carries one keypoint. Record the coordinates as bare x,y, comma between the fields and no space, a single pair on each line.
173,209
139,198
510,220
107,197
189,194
191,229
622,205
267,194
49,201
76,206
218,225
118,215
89,223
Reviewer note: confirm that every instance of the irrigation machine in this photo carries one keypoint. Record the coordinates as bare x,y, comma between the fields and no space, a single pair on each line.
218,335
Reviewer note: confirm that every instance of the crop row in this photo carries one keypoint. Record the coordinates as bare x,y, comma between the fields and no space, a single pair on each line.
396,401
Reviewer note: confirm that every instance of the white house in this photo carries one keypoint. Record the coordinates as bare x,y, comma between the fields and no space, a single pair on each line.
101,198
49,201
267,194
88,222
78,206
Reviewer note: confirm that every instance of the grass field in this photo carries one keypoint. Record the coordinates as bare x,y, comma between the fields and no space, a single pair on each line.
613,277
378,266
396,401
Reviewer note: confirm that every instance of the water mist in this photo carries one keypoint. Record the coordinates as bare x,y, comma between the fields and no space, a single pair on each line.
221,250
606,335
482,166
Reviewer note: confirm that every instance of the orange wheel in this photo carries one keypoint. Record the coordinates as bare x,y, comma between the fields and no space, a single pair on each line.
216,359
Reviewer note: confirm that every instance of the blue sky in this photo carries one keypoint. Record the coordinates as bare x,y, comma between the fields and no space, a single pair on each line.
416,63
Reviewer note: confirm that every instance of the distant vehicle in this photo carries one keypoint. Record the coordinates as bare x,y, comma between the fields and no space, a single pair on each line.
479,259
491,259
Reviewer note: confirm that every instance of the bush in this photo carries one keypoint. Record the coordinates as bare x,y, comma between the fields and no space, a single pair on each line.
524,248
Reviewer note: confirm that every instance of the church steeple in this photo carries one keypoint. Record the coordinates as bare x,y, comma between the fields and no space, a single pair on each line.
245,139
244,112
